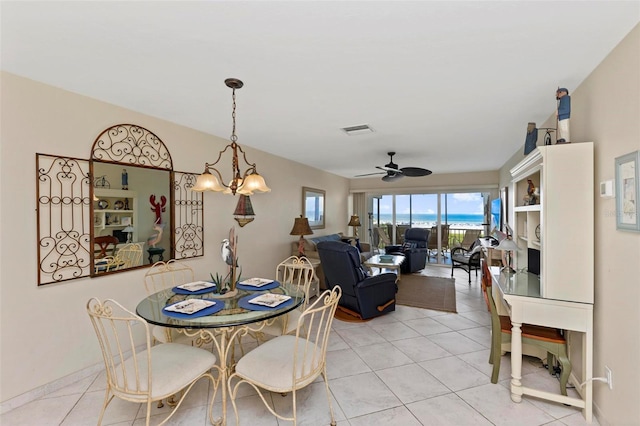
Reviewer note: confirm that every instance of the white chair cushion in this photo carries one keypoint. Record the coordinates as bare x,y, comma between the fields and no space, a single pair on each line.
174,366
270,365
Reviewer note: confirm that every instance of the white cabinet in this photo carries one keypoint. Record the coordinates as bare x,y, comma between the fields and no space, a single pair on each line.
561,224
115,209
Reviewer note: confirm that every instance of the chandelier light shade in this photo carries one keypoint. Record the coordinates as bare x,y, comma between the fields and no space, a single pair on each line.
355,222
245,182
301,227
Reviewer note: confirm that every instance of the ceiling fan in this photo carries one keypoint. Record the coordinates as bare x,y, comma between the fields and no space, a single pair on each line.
393,172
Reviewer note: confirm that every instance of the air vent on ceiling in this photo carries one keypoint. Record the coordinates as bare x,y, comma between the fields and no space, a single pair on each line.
357,130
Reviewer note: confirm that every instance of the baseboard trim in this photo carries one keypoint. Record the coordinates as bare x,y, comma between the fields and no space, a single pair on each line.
48,388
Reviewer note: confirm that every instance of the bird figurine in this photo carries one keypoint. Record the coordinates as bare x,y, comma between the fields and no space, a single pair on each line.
228,257
532,193
227,252
157,234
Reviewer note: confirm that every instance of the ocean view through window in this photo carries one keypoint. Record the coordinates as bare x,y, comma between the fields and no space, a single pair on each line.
448,216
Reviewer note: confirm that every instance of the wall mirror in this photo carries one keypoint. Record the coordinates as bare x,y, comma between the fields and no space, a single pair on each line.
127,190
132,204
313,206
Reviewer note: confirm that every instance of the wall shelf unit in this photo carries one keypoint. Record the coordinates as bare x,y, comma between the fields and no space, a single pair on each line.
115,209
561,224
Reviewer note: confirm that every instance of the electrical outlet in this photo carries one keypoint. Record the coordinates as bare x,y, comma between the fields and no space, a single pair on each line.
609,376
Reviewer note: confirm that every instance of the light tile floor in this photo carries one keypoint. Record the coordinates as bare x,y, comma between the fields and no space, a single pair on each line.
411,367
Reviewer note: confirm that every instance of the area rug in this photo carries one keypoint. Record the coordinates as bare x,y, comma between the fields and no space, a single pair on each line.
426,292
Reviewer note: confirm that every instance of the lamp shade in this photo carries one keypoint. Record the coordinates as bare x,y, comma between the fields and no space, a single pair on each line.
301,227
355,221
253,182
128,229
207,182
507,244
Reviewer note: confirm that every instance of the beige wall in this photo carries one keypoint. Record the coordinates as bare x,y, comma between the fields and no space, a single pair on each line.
45,331
605,109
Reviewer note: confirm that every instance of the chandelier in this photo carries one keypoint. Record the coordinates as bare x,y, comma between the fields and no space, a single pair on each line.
242,182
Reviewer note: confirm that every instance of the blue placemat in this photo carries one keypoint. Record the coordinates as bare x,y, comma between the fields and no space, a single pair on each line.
244,303
177,290
269,286
203,313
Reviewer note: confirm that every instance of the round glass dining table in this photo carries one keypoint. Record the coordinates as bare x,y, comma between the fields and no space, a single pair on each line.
222,328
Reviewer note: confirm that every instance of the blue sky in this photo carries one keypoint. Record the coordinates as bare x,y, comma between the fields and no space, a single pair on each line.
460,203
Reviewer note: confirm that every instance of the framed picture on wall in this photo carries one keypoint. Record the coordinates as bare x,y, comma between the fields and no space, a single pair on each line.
627,192
313,206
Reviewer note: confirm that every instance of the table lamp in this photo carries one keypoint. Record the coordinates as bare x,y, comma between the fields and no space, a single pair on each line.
301,227
355,222
128,230
508,245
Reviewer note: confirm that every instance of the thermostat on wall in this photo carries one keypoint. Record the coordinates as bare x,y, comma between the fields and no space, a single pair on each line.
606,188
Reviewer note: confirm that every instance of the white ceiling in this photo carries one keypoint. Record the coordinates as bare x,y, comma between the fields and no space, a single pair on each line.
449,85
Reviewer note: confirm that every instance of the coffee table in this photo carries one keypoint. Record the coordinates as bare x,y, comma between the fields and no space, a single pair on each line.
380,261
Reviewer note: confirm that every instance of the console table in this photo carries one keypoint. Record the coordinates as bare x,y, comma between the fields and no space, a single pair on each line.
523,303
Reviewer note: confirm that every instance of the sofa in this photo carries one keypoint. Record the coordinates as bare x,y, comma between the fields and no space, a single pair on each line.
311,250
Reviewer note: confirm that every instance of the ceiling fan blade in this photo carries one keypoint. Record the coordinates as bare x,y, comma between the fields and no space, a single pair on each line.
389,169
415,171
392,177
370,174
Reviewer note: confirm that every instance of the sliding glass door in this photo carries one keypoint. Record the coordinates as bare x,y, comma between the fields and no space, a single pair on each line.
449,216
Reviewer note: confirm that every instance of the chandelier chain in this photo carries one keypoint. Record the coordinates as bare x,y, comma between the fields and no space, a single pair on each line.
234,138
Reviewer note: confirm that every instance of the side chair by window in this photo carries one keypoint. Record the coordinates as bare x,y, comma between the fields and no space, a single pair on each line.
546,338
149,374
470,236
469,260
289,363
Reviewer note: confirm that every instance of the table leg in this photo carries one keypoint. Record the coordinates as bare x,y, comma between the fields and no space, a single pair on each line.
224,345
516,362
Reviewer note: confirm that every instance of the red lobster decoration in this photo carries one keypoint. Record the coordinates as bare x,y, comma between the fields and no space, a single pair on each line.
158,208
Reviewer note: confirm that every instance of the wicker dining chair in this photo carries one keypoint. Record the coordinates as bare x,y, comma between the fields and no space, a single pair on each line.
295,274
289,363
165,276
148,374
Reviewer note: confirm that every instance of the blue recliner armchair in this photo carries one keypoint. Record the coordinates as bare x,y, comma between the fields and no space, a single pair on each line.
414,250
362,295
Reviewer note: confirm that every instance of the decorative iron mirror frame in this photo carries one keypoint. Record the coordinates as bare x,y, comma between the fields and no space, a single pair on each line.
64,194
313,206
